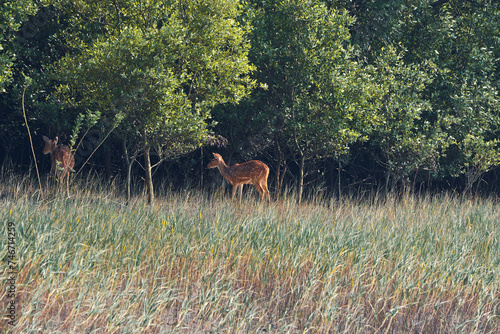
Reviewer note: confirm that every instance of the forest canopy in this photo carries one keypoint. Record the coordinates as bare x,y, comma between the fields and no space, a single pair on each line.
331,94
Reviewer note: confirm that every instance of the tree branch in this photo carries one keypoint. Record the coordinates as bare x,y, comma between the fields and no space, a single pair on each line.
438,3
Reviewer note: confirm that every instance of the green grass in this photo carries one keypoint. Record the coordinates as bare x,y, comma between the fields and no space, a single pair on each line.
196,263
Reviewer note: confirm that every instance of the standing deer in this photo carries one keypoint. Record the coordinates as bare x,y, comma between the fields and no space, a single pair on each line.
61,157
252,172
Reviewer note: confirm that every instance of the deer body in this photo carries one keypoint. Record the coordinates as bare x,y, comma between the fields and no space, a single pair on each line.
252,172
62,160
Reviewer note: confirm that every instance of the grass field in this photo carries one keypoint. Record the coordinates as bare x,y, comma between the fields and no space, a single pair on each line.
199,263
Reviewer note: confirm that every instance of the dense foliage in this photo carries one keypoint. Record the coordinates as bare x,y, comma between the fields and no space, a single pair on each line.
330,94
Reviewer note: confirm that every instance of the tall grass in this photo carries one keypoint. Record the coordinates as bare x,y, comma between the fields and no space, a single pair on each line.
197,262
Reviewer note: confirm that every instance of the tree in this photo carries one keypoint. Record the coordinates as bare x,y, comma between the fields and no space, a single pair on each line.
317,91
24,27
12,15
162,67
459,37
455,44
408,142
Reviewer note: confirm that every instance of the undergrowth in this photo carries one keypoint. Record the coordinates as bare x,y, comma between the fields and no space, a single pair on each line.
198,262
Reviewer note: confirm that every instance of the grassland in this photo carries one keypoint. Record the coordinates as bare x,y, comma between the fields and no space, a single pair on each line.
199,263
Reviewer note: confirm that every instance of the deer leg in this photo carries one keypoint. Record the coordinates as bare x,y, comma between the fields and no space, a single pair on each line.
259,189
241,191
61,180
235,186
67,182
263,185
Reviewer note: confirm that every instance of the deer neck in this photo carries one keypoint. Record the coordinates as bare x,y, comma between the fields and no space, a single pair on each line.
224,170
52,161
53,154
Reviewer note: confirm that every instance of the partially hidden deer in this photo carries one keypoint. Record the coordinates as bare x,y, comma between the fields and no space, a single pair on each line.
251,172
61,158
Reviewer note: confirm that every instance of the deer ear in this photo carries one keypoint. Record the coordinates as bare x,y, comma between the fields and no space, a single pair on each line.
45,139
56,140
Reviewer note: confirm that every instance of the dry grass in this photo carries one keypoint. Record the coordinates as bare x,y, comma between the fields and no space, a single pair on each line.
195,263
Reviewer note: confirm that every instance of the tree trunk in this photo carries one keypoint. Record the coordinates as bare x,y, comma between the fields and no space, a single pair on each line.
107,161
339,182
129,161
301,178
147,167
129,180
129,168
387,178
278,189
201,168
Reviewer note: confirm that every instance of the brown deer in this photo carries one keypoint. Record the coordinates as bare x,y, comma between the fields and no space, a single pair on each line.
252,172
61,157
